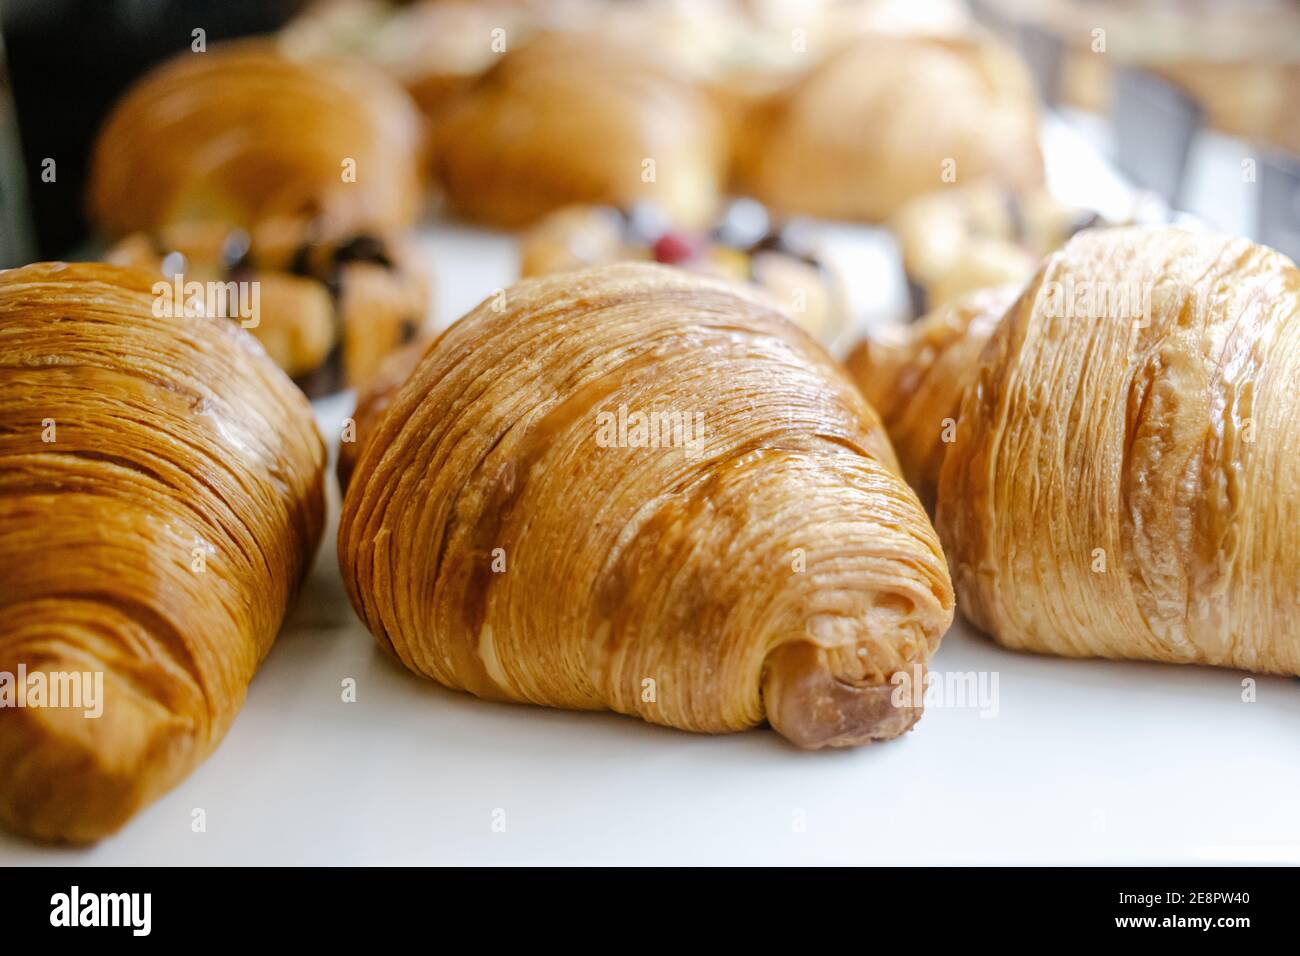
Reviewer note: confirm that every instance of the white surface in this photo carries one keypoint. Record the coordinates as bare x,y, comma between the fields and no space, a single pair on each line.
1084,761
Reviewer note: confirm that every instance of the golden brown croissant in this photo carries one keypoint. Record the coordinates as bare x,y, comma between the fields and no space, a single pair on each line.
635,489
160,499
892,117
1123,481
373,401
241,134
574,118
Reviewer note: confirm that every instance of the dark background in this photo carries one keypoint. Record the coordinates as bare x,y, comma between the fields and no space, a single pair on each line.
68,60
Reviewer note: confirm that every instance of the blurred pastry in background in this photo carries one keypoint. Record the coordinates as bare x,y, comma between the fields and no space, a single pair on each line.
241,134
743,245
435,48
769,45
1239,59
579,118
890,118
328,310
958,239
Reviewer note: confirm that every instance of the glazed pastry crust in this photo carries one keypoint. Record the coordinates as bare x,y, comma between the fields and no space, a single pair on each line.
573,118
241,134
917,378
873,127
174,439
1130,488
633,564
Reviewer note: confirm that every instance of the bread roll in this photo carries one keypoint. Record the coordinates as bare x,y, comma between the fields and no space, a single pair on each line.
892,117
241,134
160,500
745,551
578,118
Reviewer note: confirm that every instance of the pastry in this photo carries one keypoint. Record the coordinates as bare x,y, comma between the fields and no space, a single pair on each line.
160,500
1240,61
961,238
890,118
742,245
373,401
1122,481
578,118
329,309
242,135
635,489
915,378
435,48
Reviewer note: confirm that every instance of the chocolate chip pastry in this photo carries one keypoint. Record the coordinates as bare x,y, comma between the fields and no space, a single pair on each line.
299,175
328,310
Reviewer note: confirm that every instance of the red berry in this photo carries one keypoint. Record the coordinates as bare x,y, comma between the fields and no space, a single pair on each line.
673,248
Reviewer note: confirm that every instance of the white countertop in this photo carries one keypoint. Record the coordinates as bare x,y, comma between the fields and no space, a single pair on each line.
1082,762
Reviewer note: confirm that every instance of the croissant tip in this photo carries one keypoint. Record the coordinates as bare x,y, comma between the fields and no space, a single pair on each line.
813,709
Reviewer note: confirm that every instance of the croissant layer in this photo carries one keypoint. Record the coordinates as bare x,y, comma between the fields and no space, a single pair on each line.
1124,481
511,529
160,497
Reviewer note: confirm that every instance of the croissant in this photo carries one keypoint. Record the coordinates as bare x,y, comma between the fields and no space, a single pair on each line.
373,401
635,489
1122,481
160,499
890,118
916,380
241,134
575,118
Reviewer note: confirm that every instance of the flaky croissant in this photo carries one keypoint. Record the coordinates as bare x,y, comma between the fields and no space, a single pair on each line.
916,380
241,134
890,118
160,499
1123,480
520,524
578,118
